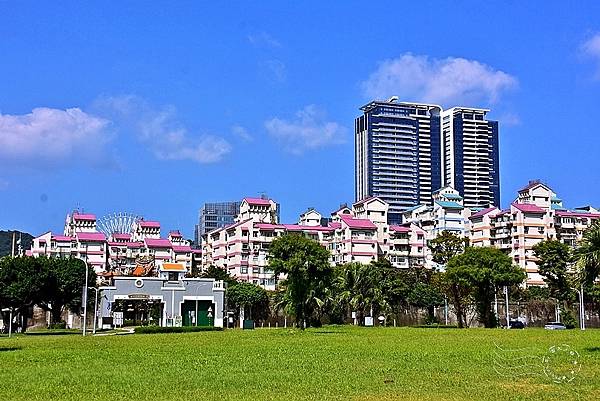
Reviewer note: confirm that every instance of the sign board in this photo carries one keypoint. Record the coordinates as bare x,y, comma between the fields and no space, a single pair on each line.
178,321
368,320
118,318
138,296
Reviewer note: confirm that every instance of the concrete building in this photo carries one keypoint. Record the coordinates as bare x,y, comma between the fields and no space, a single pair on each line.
536,215
170,299
397,153
470,159
213,215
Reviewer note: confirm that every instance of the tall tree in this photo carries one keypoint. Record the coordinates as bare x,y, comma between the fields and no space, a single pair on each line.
250,298
554,261
219,274
477,272
447,245
588,254
65,278
22,285
308,273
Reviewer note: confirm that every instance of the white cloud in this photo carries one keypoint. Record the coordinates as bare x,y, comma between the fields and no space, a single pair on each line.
449,82
263,39
49,137
591,48
242,132
509,119
307,131
164,135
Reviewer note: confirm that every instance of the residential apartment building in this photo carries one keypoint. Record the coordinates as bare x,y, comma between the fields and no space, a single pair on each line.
140,252
470,158
359,234
397,153
536,215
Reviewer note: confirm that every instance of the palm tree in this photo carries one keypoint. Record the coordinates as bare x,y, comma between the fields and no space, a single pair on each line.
588,254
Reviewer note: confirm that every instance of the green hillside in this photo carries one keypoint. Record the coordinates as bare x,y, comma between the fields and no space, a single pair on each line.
6,241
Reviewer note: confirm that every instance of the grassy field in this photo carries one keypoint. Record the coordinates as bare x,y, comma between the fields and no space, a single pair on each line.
334,363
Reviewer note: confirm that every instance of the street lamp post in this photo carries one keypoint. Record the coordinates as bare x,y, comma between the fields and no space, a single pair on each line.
85,290
581,308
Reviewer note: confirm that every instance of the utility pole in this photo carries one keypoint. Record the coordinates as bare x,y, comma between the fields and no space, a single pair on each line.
13,244
507,314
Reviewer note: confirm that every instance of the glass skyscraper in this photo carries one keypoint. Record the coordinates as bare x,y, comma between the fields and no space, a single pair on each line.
397,153
405,151
215,215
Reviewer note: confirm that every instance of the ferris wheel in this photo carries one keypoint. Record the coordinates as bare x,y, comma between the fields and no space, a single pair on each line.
117,223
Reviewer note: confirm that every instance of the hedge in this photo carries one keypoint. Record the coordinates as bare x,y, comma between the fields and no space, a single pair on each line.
183,329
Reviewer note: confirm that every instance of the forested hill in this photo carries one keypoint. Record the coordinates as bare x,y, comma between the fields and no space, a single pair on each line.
6,241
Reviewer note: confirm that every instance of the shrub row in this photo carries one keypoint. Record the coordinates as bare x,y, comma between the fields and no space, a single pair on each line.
183,329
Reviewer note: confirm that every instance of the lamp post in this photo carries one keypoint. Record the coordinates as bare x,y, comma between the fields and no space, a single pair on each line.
581,308
85,290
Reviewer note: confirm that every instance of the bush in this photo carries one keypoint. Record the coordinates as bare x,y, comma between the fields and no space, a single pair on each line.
183,329
58,326
568,319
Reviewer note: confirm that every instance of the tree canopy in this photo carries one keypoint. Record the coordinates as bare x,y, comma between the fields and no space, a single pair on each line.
305,263
478,272
447,245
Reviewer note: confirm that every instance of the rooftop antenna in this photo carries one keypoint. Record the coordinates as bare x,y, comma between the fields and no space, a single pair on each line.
392,99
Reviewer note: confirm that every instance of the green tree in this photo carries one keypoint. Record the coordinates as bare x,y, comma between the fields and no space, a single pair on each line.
65,278
254,300
22,284
447,245
306,264
219,274
478,272
554,260
587,254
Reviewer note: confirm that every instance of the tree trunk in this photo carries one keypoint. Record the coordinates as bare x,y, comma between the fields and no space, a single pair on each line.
461,317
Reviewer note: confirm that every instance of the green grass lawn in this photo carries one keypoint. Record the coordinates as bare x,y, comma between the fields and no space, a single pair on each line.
337,363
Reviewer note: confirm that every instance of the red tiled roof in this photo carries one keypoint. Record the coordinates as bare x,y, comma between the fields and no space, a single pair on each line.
182,248
482,212
149,224
258,201
358,223
158,243
78,216
528,208
568,213
91,237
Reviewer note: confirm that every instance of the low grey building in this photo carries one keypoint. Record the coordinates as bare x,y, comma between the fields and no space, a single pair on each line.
167,300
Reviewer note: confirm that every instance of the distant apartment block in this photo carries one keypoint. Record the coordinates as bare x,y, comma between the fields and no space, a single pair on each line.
404,152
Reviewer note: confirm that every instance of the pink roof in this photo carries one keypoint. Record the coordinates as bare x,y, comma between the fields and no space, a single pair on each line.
358,223
91,237
149,224
158,243
197,251
175,234
400,229
134,245
182,248
258,201
268,226
528,208
298,227
567,213
335,224
78,216
482,212
117,243
124,236
60,237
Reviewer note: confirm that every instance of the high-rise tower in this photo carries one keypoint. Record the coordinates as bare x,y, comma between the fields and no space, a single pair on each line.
470,161
397,153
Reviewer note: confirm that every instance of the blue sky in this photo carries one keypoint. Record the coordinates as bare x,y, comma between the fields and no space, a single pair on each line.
156,108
